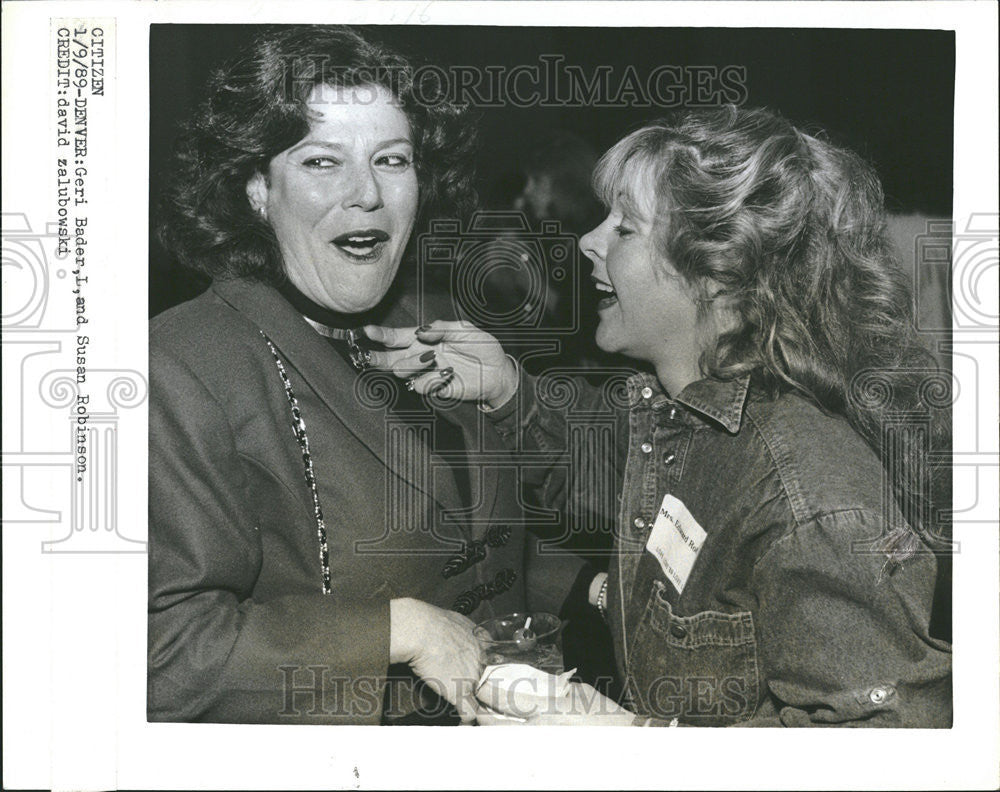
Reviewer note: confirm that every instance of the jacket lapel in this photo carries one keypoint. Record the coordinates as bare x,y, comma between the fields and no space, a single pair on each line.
336,384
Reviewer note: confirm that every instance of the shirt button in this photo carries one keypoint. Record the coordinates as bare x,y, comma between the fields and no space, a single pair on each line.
638,522
678,631
669,459
647,392
878,695
673,413
647,448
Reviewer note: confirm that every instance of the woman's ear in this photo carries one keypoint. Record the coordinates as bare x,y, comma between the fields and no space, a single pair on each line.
257,194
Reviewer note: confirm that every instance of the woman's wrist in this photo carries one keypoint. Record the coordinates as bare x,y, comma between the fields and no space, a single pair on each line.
510,380
598,592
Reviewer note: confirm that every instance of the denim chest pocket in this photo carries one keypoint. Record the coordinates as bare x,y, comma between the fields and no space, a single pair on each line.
700,669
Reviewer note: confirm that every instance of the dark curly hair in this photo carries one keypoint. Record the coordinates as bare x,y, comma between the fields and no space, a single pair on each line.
255,108
786,232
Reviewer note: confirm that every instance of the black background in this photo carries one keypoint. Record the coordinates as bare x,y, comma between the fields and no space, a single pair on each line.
888,94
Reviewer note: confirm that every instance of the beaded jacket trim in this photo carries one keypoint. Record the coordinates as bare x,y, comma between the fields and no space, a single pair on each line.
299,430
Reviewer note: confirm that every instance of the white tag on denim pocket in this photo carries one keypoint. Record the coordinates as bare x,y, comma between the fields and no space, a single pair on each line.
675,541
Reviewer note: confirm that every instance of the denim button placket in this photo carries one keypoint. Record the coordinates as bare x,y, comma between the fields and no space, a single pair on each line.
650,484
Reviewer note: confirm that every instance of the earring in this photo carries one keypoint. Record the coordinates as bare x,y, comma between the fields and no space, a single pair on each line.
262,211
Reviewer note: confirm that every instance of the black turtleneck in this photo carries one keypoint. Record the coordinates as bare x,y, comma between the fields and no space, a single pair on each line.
329,317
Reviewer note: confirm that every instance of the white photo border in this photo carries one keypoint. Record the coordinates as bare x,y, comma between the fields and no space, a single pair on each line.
74,648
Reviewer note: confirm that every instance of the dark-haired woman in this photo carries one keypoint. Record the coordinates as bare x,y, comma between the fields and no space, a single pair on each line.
312,529
774,537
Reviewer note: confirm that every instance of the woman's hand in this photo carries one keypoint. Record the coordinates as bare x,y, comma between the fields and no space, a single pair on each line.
453,360
440,648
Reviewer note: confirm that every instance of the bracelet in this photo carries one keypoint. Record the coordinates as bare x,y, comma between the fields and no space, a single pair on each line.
517,372
602,600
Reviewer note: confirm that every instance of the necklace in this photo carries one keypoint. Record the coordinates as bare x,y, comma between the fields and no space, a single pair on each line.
361,358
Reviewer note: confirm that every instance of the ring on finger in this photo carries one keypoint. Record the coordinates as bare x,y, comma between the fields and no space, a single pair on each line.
447,374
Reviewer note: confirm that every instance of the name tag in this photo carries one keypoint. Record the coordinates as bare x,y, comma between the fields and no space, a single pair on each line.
675,541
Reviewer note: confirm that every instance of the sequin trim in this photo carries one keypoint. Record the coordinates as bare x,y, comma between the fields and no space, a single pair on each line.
299,430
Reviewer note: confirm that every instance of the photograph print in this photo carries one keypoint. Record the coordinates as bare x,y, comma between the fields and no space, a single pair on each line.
550,376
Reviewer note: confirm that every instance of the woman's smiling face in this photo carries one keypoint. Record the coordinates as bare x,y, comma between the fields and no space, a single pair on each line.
647,310
343,200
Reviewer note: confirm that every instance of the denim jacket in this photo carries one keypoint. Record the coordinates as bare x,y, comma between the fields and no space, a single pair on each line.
745,587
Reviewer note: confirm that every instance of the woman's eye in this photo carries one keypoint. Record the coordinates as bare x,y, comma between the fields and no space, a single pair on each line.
393,161
623,230
321,162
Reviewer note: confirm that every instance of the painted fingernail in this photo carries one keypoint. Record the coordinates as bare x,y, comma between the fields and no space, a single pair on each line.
427,357
447,372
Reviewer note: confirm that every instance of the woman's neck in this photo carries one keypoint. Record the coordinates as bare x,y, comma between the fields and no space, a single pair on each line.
676,375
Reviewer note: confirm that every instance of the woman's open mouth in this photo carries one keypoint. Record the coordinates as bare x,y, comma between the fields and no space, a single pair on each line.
610,296
363,244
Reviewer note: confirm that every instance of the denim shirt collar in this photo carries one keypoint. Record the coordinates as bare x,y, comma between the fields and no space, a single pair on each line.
720,400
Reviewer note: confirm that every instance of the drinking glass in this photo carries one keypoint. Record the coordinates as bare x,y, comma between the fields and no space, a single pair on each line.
543,650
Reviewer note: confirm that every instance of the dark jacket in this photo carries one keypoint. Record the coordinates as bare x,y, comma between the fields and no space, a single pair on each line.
788,613
238,621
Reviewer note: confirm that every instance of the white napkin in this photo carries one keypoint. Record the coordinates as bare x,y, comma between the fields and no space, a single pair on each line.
522,690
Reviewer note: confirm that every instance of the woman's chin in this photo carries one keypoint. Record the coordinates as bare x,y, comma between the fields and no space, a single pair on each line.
606,341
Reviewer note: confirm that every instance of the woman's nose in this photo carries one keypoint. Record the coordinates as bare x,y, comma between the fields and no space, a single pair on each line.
364,191
590,244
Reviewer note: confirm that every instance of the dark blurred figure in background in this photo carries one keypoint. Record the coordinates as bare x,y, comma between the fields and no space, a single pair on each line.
556,182
553,186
